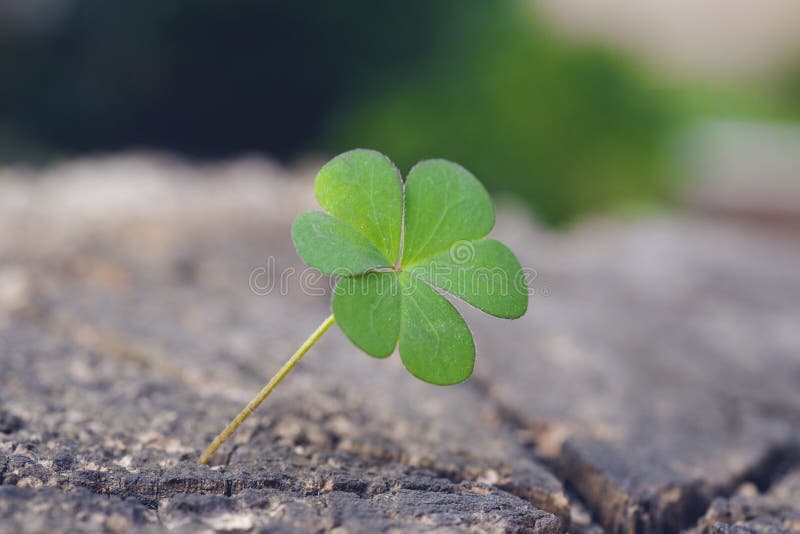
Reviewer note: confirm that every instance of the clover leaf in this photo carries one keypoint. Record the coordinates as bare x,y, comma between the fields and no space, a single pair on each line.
397,247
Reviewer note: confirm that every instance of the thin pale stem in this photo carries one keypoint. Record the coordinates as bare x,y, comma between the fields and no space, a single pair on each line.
264,393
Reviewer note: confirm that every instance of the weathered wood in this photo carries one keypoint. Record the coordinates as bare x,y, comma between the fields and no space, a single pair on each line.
777,510
656,370
663,369
132,343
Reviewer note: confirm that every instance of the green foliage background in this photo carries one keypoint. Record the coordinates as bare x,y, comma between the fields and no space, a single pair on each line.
570,129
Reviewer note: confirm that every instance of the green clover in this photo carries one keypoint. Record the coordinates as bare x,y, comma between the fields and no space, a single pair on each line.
397,247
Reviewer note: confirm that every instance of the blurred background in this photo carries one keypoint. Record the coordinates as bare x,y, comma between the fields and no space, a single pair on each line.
645,155
569,106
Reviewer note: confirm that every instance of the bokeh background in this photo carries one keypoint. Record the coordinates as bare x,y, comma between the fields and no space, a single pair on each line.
645,158
571,106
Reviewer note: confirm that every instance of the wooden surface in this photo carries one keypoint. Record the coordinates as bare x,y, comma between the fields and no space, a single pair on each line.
654,385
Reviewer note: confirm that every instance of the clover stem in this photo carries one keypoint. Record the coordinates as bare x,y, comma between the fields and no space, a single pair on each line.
264,393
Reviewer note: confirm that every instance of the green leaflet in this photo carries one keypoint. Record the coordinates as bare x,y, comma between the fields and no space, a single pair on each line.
447,213
363,188
435,342
367,309
484,273
445,203
334,247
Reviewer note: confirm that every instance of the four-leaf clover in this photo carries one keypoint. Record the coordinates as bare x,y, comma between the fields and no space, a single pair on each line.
397,247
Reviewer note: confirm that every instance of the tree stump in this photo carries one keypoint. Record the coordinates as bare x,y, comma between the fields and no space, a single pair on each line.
653,386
